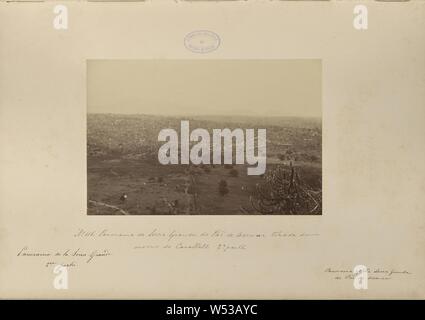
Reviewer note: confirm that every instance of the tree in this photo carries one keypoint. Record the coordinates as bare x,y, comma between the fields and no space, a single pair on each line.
222,187
234,173
283,192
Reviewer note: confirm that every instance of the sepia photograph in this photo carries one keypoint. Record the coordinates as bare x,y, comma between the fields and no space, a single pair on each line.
211,157
194,137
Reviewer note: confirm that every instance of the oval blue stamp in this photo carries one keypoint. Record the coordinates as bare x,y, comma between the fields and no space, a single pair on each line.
202,41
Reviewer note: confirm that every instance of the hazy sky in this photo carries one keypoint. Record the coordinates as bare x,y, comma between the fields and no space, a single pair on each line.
205,87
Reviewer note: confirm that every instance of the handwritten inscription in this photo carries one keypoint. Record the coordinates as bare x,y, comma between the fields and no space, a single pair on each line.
58,256
219,240
87,252
377,273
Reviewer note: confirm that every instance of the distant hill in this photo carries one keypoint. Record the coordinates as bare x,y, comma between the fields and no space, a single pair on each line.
266,121
310,122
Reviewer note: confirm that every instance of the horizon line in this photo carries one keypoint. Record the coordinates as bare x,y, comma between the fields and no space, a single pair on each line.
206,115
